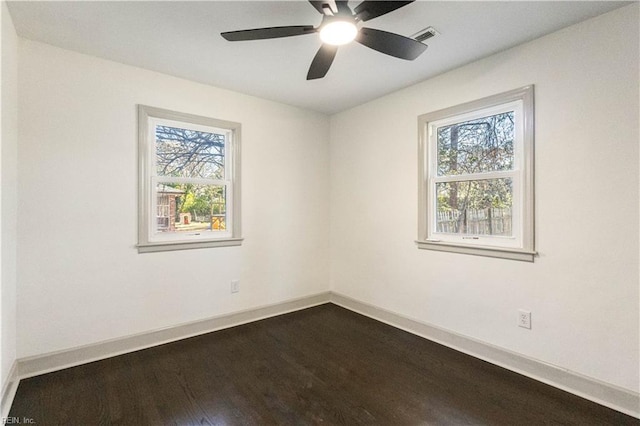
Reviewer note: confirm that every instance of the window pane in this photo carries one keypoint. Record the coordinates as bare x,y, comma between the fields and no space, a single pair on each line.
475,146
190,208
189,153
477,207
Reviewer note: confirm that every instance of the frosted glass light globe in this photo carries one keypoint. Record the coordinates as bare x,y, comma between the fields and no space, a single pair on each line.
338,33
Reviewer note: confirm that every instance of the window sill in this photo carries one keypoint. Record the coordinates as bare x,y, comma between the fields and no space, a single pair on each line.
188,245
502,253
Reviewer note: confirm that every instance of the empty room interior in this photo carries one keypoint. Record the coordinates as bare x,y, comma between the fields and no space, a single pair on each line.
306,212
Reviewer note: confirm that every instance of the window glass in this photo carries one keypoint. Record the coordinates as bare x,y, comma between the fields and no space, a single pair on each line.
189,153
191,208
474,207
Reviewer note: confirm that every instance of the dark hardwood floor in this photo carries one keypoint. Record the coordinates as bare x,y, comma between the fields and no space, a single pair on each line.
323,365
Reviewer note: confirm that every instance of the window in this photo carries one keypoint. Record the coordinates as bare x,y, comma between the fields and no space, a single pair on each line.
189,186
476,177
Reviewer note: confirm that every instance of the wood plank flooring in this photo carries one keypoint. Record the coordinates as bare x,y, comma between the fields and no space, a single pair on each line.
323,365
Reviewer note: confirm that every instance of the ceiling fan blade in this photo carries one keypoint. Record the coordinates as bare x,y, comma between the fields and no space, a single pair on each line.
271,32
318,5
390,44
370,9
326,7
322,61
343,7
331,7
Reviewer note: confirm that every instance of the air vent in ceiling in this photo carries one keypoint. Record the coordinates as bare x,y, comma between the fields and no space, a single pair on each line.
425,34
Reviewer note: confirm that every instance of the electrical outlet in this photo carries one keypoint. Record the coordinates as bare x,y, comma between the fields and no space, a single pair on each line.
524,319
235,286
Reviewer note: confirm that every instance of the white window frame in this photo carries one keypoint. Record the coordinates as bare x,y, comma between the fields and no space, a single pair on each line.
520,246
148,239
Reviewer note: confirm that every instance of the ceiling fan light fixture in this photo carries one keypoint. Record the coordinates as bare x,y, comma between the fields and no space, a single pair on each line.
338,32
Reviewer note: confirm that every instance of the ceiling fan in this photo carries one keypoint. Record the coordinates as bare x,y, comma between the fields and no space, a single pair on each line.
339,26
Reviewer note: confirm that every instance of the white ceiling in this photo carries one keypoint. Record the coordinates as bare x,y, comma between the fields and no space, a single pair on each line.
182,38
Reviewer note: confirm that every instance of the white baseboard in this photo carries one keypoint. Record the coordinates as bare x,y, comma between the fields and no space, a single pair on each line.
602,393
9,390
611,396
45,363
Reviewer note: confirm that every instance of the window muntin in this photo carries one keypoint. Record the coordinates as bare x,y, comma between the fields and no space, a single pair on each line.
189,182
476,185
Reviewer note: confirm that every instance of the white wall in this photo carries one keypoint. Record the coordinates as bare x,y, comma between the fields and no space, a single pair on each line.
583,288
8,194
81,278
